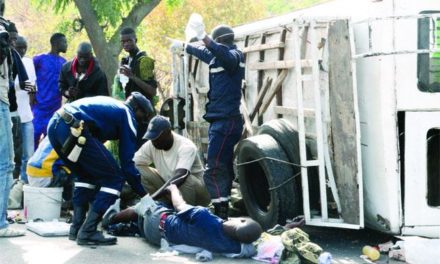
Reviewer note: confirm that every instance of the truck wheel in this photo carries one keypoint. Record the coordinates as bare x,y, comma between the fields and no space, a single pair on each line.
287,137
284,133
265,185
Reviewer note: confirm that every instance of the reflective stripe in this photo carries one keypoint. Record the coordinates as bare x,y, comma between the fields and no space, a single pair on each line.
130,121
219,200
215,70
220,69
109,190
85,185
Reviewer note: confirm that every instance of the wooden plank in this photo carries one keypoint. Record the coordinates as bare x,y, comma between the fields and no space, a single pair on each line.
343,125
264,47
248,131
273,90
284,110
266,85
272,65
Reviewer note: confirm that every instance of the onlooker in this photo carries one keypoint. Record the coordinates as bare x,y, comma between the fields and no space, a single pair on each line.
6,145
24,99
173,156
82,76
226,66
139,68
48,98
18,71
188,225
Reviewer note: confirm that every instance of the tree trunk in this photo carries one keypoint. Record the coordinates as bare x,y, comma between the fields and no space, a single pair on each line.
107,52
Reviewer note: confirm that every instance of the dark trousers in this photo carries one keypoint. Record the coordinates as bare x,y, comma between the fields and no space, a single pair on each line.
99,178
18,146
222,135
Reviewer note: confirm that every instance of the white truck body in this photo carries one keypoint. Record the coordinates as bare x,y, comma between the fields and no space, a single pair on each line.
394,122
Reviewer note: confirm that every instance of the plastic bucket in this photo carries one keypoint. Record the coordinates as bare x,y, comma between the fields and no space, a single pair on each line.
43,203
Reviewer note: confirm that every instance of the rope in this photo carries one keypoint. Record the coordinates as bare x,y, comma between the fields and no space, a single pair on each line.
277,160
270,158
283,183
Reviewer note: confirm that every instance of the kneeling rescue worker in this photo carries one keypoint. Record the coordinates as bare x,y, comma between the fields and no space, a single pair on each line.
77,132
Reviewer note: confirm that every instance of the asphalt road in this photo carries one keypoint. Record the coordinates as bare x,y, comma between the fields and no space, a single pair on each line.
344,245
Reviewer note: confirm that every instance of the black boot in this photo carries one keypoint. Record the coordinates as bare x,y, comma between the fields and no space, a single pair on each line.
221,210
89,235
79,215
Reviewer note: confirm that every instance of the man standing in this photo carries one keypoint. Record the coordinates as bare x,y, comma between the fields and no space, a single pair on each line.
139,69
226,72
87,123
48,98
24,108
6,145
82,77
174,157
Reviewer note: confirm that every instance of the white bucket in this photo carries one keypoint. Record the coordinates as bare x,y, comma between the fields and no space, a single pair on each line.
43,203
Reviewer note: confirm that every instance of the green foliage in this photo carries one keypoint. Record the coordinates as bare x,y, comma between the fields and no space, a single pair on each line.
167,20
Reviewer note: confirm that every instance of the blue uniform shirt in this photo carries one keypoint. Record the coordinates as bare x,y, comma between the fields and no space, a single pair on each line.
110,119
226,72
199,228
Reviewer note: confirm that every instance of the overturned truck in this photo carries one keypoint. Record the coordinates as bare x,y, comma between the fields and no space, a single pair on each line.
342,113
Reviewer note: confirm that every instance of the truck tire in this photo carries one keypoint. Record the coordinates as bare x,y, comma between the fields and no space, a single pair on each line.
285,134
287,137
267,207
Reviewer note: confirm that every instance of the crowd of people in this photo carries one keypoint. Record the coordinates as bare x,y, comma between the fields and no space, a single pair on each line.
58,144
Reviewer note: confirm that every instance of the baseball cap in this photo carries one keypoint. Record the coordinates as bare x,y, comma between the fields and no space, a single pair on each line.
156,126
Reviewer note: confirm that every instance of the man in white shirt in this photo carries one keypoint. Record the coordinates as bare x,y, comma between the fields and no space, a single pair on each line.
175,158
24,108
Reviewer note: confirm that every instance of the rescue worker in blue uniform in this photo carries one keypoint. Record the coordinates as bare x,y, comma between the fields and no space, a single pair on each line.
226,72
100,178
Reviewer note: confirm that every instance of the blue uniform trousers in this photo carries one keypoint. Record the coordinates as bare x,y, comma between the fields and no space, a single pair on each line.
222,136
99,178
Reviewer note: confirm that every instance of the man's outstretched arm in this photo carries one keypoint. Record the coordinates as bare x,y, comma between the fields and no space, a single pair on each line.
176,198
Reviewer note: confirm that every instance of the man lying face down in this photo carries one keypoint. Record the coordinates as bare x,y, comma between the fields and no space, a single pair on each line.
189,225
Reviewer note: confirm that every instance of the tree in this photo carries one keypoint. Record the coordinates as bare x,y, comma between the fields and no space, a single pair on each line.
103,21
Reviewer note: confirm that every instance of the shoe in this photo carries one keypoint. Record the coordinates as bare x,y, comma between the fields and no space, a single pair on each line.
88,234
221,210
111,211
10,232
79,215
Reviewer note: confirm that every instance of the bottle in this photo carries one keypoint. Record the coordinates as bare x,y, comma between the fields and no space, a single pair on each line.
123,79
76,151
73,137
371,252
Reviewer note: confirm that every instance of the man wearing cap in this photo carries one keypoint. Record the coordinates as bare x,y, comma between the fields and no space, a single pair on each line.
174,157
193,226
100,178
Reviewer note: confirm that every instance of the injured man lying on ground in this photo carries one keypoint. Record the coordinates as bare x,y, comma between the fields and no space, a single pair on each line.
192,229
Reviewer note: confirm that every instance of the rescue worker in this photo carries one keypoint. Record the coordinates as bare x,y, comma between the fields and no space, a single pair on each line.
100,178
226,72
